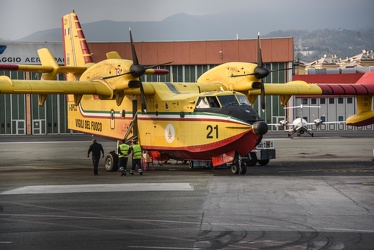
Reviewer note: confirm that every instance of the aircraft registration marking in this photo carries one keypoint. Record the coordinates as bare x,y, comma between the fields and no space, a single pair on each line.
100,188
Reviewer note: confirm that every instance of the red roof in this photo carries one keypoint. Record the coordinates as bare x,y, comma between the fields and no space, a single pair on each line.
368,77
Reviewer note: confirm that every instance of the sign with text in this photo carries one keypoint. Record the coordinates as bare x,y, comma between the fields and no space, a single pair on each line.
27,53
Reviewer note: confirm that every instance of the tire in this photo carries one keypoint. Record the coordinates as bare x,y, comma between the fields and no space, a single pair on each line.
111,162
243,169
252,160
234,169
263,162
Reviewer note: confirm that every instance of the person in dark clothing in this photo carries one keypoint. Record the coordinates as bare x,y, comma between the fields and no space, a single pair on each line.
123,156
96,149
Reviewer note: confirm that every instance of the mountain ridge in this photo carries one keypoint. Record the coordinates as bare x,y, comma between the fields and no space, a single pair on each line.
185,27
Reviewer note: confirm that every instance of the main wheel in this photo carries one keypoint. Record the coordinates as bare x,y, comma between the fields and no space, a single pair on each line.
252,160
111,162
243,169
234,169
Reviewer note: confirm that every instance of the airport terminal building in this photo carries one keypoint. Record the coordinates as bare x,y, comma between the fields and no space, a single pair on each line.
21,114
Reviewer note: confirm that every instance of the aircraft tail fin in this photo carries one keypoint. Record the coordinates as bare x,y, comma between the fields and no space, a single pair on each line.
76,51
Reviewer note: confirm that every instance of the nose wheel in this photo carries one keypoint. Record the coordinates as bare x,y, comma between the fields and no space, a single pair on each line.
239,167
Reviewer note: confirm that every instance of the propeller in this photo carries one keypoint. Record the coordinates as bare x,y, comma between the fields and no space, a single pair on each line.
260,73
138,70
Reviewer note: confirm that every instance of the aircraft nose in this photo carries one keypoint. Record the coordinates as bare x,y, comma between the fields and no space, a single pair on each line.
260,128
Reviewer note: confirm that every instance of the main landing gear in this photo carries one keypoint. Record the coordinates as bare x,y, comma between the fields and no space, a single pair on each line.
111,161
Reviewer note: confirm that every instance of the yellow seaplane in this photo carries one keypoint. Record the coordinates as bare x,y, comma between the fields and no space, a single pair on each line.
208,120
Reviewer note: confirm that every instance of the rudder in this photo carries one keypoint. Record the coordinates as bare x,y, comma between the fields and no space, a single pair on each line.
76,51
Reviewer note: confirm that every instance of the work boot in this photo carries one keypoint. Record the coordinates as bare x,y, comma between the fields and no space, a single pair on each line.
123,171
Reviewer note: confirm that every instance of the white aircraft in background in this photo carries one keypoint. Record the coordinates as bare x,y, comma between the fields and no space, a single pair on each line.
300,125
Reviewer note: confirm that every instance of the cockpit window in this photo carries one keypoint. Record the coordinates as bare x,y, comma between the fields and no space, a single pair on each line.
243,100
202,103
213,102
228,100
207,102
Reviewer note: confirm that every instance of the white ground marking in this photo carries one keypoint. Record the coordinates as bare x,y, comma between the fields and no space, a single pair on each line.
94,188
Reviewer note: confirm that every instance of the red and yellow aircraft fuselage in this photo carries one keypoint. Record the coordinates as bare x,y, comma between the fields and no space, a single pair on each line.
177,125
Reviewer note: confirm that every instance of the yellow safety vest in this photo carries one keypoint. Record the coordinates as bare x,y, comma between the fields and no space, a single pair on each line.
137,151
124,150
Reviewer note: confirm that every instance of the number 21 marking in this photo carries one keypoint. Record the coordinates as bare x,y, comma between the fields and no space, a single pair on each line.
210,129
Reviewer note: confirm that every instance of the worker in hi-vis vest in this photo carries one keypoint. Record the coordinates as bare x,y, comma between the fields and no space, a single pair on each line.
123,156
136,150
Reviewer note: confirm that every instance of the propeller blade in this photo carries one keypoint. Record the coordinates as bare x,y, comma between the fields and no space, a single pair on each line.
153,66
114,76
259,53
262,97
142,96
263,73
275,70
133,51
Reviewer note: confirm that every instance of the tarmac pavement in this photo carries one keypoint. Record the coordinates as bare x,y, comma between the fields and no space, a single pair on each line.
317,194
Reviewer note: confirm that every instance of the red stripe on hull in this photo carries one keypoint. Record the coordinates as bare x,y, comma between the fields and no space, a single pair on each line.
243,144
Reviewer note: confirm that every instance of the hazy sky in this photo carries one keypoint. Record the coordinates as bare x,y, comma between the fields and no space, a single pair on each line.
19,18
